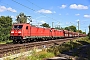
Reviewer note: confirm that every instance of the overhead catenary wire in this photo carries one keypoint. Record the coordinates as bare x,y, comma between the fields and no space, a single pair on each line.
39,7
34,4
14,7
42,8
9,5
31,9
25,7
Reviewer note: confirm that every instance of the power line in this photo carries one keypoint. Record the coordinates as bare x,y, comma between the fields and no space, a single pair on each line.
8,5
31,9
39,7
34,4
15,7
23,5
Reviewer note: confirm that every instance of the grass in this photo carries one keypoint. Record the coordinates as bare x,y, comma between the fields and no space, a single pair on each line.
6,42
41,55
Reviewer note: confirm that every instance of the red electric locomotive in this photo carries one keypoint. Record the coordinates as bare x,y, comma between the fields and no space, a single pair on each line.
24,32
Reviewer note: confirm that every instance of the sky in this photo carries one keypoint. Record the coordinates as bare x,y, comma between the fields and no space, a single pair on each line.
60,12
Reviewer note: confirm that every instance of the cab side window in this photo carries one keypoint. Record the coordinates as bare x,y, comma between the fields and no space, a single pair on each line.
26,27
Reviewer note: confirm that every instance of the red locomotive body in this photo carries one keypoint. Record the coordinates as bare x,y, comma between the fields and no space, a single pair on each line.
25,33
57,33
19,32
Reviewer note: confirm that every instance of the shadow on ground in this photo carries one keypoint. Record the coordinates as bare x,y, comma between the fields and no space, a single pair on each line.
81,52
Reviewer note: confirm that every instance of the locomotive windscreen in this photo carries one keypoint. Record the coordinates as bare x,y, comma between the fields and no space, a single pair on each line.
18,26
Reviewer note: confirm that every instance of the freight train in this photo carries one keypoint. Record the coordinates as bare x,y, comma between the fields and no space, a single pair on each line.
25,32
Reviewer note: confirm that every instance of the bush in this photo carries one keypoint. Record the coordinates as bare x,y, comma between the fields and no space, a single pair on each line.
41,55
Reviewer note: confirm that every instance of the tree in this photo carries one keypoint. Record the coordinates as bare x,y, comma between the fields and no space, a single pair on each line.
67,28
73,28
21,18
45,25
89,32
80,31
84,32
5,27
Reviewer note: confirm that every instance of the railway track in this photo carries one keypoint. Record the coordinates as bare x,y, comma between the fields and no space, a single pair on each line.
9,49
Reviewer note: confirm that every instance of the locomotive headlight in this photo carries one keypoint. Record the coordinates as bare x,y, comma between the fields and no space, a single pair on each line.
12,31
19,32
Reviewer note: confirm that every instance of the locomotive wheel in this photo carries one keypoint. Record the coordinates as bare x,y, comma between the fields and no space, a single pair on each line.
21,41
24,41
14,41
45,39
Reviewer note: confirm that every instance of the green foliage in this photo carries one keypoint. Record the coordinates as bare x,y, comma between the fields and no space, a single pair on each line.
64,47
84,32
6,42
89,35
5,27
80,31
57,27
89,32
21,18
54,49
71,28
40,55
45,25
67,28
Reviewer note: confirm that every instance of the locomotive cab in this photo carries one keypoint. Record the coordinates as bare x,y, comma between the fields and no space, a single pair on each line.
16,32
19,31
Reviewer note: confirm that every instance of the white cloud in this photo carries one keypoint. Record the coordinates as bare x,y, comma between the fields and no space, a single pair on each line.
87,16
12,10
42,21
44,11
79,7
63,6
3,8
77,14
